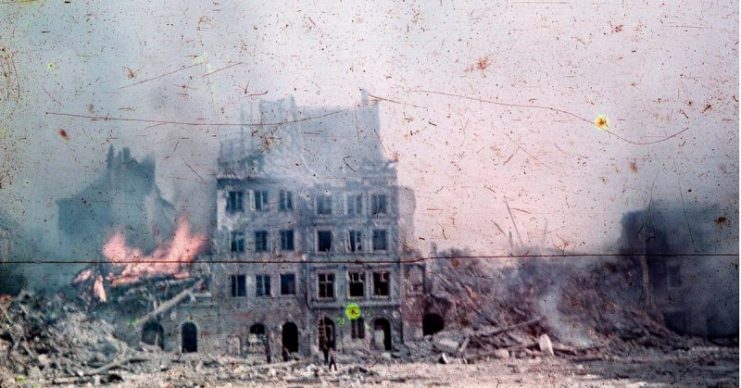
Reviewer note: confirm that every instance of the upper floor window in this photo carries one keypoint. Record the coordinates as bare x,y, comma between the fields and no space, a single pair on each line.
356,241
239,286
261,241
237,243
286,240
323,241
235,201
381,283
287,284
380,240
379,204
262,284
286,200
326,285
261,200
356,284
354,204
324,204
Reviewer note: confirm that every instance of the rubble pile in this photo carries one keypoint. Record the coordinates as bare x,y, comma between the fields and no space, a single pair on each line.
50,339
541,307
70,337
533,310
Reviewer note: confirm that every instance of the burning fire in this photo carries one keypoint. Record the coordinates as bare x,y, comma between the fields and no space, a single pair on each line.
129,265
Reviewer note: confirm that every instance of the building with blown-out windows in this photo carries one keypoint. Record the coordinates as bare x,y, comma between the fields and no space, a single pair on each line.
308,221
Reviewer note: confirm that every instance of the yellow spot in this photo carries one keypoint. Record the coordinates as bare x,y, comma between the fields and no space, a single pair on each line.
601,122
353,311
26,182
51,66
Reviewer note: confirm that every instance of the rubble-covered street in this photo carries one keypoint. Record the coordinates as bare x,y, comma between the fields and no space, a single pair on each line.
67,339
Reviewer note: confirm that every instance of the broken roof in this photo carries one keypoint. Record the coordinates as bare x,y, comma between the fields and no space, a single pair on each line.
308,143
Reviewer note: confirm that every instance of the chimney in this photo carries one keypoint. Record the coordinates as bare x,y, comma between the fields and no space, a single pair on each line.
109,158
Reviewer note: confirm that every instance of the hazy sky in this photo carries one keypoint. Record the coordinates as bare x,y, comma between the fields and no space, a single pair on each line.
653,68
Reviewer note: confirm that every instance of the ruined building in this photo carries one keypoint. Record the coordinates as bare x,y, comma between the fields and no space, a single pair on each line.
690,280
309,220
125,196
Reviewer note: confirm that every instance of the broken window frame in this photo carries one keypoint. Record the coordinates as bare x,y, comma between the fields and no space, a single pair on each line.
288,288
287,240
355,278
261,241
239,286
236,244
319,245
355,241
285,200
354,204
261,200
324,204
379,278
262,285
379,204
357,328
380,240
325,285
234,201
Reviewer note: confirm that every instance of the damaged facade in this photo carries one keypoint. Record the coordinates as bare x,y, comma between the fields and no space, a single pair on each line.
309,220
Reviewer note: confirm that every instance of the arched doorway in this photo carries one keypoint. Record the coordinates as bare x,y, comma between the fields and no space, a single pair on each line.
290,337
257,329
260,342
189,336
382,333
326,333
153,334
432,324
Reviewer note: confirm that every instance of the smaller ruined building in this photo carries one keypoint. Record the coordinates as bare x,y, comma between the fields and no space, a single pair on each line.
690,271
125,197
309,221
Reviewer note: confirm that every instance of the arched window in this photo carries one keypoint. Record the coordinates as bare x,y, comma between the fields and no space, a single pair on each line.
326,333
382,333
358,328
432,324
153,334
290,337
189,336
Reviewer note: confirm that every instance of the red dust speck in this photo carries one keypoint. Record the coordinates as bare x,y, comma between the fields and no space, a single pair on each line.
483,63
721,220
63,134
634,167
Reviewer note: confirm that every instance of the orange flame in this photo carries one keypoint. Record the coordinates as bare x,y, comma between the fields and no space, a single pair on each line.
99,290
169,259
82,276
